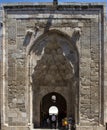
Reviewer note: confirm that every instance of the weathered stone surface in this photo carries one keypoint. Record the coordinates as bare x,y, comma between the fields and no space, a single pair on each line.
52,50
53,69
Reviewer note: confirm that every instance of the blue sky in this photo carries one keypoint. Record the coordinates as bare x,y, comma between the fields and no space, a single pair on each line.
6,1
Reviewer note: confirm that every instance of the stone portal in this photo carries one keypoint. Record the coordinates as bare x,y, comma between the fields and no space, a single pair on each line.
53,50
54,58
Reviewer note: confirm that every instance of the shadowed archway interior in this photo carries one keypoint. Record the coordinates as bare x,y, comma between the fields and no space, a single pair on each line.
47,102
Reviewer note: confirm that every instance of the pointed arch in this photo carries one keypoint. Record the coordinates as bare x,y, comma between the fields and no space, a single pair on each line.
54,67
47,102
52,32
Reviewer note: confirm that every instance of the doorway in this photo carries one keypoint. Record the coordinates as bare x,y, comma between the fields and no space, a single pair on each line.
52,103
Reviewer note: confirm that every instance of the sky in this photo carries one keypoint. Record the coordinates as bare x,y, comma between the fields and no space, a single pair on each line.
11,1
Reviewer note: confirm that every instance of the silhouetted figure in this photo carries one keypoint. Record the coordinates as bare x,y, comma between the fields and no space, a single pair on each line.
48,122
53,121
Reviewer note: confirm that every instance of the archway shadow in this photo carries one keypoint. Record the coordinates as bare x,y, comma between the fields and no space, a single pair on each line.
48,102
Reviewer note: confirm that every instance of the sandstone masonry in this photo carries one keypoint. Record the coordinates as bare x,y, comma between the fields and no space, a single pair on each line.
61,49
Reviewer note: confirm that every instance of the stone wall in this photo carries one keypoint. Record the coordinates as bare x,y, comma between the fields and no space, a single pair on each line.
1,25
89,73
26,28
105,66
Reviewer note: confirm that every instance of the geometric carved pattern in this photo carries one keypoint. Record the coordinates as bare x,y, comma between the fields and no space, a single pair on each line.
53,69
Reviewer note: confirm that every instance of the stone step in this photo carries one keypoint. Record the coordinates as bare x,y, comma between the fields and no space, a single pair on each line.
44,129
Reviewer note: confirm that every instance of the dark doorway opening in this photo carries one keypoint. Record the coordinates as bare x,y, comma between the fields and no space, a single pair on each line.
49,100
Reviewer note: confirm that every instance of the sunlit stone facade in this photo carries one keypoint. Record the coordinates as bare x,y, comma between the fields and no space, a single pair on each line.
59,50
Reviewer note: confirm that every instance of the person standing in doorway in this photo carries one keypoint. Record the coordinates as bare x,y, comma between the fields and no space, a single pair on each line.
53,121
48,122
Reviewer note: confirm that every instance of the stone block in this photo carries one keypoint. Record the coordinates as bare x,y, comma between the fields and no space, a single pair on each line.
16,128
24,115
12,34
90,128
12,114
94,78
